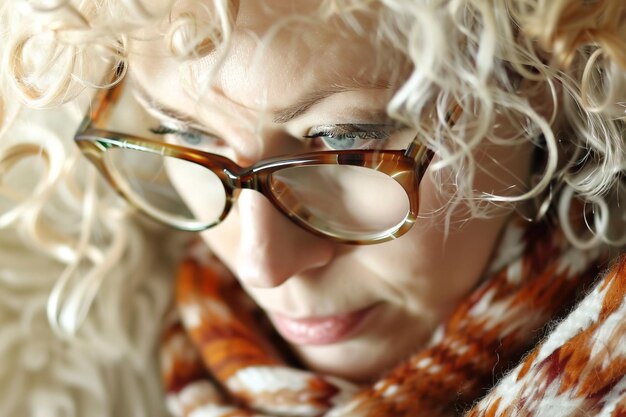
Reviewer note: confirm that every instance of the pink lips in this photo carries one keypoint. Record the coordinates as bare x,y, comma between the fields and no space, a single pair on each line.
319,330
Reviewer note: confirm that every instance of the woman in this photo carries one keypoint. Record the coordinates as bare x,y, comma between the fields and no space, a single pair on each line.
409,194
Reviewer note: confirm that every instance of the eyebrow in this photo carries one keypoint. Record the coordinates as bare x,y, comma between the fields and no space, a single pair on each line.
162,108
303,104
280,116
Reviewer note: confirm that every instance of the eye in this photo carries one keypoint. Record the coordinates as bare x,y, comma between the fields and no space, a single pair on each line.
187,136
352,136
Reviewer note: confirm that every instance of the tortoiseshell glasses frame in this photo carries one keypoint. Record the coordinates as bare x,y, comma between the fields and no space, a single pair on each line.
406,167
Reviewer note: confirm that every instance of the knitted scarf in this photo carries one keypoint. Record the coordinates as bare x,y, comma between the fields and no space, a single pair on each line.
216,362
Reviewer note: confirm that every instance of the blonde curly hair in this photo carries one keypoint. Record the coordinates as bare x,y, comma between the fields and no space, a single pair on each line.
476,53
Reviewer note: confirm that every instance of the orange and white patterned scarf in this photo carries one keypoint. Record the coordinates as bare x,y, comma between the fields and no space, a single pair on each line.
218,363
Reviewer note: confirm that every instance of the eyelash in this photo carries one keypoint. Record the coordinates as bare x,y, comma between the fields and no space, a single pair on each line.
188,135
344,136
336,137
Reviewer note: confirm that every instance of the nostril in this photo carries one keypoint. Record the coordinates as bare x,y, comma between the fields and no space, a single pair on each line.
271,267
260,273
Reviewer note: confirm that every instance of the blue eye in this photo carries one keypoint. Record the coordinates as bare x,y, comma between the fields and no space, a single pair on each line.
191,138
341,142
186,136
344,137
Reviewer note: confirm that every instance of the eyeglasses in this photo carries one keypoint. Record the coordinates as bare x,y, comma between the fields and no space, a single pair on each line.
348,196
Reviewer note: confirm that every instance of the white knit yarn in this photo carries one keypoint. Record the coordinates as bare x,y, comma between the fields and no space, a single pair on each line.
538,393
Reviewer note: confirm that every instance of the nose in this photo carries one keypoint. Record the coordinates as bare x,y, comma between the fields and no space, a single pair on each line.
272,249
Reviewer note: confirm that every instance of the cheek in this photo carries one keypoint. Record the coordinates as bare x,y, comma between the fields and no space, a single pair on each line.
223,239
449,246
457,261
431,267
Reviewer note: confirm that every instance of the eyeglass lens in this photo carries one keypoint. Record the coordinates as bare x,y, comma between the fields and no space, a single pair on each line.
346,201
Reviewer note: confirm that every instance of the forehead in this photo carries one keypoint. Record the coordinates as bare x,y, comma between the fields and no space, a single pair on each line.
277,51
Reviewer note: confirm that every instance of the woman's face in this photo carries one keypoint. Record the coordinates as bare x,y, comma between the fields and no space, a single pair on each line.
351,311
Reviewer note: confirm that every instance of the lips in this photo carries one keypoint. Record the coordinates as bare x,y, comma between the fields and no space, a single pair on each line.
320,330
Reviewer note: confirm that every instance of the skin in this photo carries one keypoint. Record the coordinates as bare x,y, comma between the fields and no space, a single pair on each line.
412,282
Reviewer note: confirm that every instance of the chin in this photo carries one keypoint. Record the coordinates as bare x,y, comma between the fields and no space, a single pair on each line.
361,360
353,361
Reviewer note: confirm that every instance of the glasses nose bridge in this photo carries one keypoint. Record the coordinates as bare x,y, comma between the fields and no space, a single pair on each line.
247,180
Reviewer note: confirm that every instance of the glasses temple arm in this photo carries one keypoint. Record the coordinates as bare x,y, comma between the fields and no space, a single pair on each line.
419,151
98,113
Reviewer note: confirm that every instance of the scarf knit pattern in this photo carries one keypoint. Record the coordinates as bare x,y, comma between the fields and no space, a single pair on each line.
505,350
